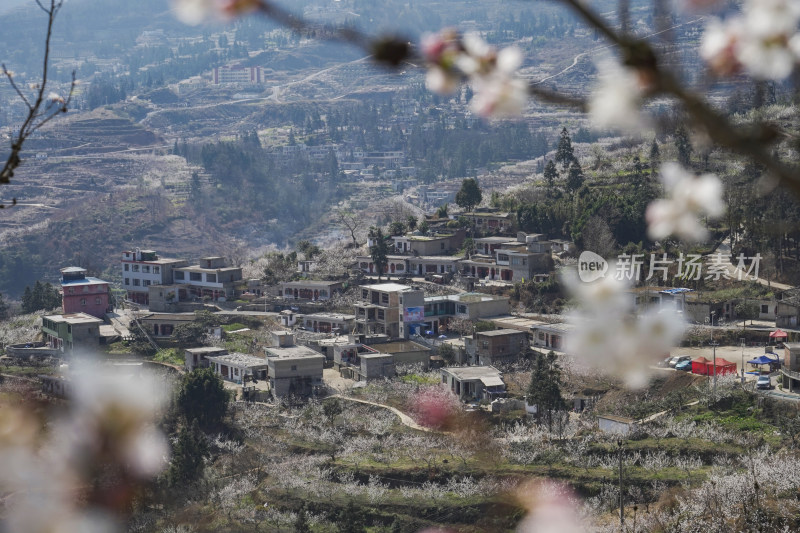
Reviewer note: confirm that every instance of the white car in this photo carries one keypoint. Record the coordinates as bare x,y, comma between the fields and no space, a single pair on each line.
764,382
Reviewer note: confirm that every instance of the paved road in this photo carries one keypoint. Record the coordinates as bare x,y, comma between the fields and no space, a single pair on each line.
404,418
735,273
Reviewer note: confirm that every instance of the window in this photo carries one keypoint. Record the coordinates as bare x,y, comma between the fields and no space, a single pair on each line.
179,275
135,268
765,309
211,278
365,294
156,270
384,298
127,281
72,290
195,276
146,283
380,314
485,344
442,245
85,288
294,368
462,309
146,269
136,282
97,301
83,301
126,267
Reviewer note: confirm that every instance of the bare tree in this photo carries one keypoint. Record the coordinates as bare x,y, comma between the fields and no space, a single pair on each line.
351,221
42,106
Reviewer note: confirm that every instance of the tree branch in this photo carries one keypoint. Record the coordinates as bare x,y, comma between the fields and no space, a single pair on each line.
33,121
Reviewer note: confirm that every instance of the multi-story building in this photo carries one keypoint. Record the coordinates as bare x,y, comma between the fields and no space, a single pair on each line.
82,294
143,268
499,346
510,259
69,332
389,309
237,75
293,370
209,278
470,306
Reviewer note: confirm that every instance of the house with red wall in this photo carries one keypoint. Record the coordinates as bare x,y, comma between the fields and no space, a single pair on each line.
82,294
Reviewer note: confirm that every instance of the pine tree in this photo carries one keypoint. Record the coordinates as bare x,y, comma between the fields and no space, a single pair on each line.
684,146
655,156
27,301
379,251
544,390
202,398
469,195
301,524
575,177
188,456
351,520
550,175
565,154
3,308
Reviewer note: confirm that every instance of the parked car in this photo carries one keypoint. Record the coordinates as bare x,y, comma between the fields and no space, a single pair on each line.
679,359
686,366
764,382
665,362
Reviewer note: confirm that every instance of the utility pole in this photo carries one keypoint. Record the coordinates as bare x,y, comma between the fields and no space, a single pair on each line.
714,362
621,500
741,341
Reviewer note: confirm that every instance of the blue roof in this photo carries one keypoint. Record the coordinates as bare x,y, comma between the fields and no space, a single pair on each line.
84,281
763,360
676,290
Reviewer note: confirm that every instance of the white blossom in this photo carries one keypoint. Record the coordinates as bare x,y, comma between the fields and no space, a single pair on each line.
688,198
611,338
617,100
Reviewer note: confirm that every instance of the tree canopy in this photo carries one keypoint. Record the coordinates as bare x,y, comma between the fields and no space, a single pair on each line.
202,398
469,195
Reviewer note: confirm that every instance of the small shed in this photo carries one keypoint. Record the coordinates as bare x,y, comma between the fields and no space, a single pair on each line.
619,425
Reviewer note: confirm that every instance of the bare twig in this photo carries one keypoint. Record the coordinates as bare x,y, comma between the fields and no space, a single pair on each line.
43,109
752,142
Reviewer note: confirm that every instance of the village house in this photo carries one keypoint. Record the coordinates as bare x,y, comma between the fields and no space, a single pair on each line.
310,290
287,318
82,294
164,324
490,221
388,309
210,278
328,322
71,332
790,369
551,336
361,363
143,268
471,306
474,383
429,245
508,259
788,309
499,346
293,370
404,352
198,357
238,367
